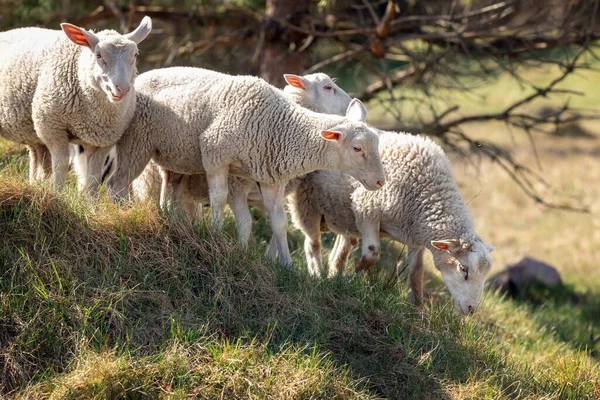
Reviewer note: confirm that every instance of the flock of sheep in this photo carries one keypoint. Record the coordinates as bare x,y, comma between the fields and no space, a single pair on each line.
188,136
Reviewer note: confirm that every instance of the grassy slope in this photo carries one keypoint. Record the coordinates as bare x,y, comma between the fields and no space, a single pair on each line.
100,301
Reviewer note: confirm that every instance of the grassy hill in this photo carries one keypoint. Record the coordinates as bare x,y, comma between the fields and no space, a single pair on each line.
100,301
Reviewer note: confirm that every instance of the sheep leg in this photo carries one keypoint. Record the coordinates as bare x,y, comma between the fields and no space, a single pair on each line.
59,153
273,196
96,162
416,273
338,258
190,206
170,189
243,219
40,163
311,227
271,249
371,245
218,190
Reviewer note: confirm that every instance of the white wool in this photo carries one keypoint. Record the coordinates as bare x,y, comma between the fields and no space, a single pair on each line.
191,120
50,96
420,203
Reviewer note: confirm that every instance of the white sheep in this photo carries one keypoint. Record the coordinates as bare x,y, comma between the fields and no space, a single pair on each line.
317,92
67,87
420,206
192,120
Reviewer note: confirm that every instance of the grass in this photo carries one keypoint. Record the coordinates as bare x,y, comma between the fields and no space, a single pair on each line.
100,301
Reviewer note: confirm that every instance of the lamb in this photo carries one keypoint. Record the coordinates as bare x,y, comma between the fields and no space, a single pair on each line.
67,87
317,92
243,125
420,206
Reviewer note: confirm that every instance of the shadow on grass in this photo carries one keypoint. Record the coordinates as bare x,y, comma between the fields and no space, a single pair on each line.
108,278
569,316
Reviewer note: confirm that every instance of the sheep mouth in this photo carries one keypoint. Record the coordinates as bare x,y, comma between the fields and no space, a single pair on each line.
369,186
115,99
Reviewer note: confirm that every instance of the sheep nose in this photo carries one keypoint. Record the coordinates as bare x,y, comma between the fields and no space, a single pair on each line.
380,183
121,91
471,310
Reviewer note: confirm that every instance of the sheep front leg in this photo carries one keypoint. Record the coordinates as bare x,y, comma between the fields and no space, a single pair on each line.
416,273
59,153
273,199
371,245
217,192
338,258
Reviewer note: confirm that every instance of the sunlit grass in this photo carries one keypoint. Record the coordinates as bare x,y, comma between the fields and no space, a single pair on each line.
102,301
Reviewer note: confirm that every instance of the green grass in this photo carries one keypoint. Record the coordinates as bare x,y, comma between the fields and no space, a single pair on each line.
100,301
105,302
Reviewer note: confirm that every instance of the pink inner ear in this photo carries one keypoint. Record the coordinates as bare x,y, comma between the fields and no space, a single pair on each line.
441,246
294,81
75,35
330,135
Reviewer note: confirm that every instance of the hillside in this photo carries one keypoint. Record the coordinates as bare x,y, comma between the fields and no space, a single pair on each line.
106,302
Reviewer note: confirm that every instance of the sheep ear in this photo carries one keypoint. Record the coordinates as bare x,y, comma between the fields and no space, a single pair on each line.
331,135
490,248
356,111
450,245
296,81
80,36
141,31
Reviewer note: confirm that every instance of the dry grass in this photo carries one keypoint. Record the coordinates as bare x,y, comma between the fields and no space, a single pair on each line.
100,301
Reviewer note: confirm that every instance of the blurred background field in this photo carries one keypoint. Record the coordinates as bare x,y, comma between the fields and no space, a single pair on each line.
100,301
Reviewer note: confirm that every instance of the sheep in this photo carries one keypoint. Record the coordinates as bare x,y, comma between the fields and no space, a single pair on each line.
192,120
69,86
78,163
317,92
420,206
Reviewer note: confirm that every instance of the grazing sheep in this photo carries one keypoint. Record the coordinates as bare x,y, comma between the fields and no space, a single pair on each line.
317,92
67,87
420,206
192,120
78,163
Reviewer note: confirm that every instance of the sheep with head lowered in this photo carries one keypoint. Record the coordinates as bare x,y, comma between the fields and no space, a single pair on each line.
69,86
420,206
192,120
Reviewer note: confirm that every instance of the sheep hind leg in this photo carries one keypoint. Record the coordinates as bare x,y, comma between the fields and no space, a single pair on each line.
416,273
218,192
241,211
170,190
338,258
40,162
273,200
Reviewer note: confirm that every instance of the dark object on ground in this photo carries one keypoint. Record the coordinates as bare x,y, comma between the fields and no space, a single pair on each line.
528,272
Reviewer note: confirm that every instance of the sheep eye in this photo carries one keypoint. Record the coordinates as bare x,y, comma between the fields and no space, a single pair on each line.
328,87
98,56
357,149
